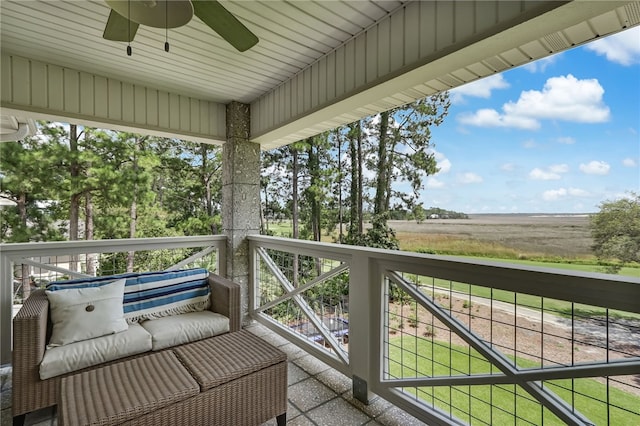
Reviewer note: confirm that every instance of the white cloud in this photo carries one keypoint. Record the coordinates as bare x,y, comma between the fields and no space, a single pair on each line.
554,194
442,161
491,118
508,167
629,162
541,64
565,98
433,183
562,193
576,192
539,174
566,140
559,168
622,48
562,98
529,144
444,165
552,172
595,168
480,88
469,177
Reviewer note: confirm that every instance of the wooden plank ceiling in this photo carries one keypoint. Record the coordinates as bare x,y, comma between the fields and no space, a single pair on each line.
200,63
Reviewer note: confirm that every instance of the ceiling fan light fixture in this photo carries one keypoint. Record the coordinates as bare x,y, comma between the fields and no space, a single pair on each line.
158,14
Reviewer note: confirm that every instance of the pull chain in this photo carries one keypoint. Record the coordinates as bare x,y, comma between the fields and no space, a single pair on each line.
129,28
166,26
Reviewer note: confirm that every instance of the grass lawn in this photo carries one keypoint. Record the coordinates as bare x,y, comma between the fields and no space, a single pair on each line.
501,404
282,228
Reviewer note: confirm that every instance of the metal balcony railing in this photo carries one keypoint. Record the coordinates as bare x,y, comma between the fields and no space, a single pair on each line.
455,341
451,341
26,266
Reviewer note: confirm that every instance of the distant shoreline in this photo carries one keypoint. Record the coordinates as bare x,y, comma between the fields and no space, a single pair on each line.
533,214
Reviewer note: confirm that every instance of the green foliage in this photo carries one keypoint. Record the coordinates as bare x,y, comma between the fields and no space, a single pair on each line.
328,294
326,173
445,214
381,235
419,214
616,232
126,185
404,149
25,177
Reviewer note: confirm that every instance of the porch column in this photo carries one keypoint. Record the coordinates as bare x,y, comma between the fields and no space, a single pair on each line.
240,196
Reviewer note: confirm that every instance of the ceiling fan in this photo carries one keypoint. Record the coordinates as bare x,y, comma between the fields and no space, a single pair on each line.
127,15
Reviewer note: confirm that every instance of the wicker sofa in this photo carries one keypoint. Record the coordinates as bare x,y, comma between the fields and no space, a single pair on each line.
32,330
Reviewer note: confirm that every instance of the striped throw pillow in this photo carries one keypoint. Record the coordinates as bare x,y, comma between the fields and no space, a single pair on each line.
151,295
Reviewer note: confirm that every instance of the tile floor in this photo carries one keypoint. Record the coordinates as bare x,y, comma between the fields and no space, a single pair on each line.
318,395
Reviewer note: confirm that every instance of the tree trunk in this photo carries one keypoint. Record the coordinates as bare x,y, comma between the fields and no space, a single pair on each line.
360,159
133,209
25,278
133,220
355,181
382,178
389,174
314,172
340,234
206,180
88,232
294,212
74,201
264,220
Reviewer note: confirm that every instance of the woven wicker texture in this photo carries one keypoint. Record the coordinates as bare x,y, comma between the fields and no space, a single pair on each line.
223,358
247,401
30,339
123,391
29,342
225,299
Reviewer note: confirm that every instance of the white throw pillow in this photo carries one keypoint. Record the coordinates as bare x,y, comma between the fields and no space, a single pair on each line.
84,313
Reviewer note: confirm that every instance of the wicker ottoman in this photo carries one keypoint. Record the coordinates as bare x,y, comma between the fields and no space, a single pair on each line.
242,378
119,392
232,379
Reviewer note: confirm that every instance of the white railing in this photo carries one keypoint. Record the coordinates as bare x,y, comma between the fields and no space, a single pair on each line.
456,341
30,265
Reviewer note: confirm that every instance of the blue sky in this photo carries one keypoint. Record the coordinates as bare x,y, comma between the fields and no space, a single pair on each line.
559,135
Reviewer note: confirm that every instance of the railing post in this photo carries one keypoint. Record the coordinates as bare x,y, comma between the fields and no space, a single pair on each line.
6,308
363,322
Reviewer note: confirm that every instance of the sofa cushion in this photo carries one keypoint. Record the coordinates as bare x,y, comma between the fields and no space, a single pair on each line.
76,356
152,295
178,329
84,313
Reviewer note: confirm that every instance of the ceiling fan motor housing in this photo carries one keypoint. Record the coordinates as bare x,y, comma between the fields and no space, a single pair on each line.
155,13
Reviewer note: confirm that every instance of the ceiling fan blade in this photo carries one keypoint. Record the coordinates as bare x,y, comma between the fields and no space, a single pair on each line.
220,20
119,28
